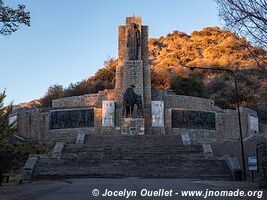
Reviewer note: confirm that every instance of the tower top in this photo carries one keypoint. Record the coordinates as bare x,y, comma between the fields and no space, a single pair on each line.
133,40
134,19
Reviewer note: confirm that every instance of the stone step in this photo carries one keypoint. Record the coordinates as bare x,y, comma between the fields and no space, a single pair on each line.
132,156
76,152
131,139
204,169
76,148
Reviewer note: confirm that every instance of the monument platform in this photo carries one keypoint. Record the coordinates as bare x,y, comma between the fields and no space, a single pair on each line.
132,156
133,126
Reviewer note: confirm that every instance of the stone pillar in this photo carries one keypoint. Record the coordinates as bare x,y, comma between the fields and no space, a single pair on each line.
122,44
133,74
262,164
136,72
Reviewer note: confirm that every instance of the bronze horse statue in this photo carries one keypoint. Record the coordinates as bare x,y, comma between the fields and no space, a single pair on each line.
130,99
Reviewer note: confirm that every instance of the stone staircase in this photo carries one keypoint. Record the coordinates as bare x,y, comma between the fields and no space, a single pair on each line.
155,156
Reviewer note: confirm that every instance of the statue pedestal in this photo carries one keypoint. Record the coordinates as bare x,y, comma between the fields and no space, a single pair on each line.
133,126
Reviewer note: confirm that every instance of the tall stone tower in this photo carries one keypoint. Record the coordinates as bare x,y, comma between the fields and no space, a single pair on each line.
133,69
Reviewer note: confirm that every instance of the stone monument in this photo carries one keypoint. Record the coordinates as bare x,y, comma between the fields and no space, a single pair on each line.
133,79
132,108
160,118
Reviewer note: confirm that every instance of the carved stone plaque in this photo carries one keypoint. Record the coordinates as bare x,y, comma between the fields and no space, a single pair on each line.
157,108
192,119
254,123
72,118
80,138
108,113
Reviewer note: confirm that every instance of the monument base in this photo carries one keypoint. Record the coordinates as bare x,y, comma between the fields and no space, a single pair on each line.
133,126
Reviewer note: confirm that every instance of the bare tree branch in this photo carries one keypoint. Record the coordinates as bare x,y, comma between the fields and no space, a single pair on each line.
246,18
10,18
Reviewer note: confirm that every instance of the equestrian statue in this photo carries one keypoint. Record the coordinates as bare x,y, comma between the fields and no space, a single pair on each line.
130,99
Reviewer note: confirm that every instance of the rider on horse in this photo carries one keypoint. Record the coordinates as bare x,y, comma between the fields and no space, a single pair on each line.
130,99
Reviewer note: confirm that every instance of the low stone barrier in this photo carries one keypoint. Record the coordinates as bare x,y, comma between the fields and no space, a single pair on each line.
29,167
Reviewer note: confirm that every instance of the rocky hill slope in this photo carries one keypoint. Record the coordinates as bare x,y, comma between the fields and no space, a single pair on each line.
210,47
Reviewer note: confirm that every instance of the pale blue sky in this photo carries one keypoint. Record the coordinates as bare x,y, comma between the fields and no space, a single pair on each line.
69,40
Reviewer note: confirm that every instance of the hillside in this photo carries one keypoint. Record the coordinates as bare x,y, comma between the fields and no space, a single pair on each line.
210,47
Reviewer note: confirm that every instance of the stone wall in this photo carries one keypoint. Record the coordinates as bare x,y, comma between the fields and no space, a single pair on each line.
70,134
87,100
227,128
178,101
34,123
172,101
233,148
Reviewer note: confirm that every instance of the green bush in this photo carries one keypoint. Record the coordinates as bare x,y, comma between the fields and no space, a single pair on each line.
189,86
14,156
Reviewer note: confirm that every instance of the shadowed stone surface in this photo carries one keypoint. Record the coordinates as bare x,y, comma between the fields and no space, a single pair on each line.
80,138
186,139
132,156
58,148
207,150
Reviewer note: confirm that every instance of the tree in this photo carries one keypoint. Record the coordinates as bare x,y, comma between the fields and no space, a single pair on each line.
5,127
103,79
54,92
189,86
222,91
10,18
246,17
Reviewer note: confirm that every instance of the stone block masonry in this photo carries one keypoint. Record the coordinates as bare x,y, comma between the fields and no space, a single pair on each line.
133,74
144,156
262,164
134,126
34,123
29,168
